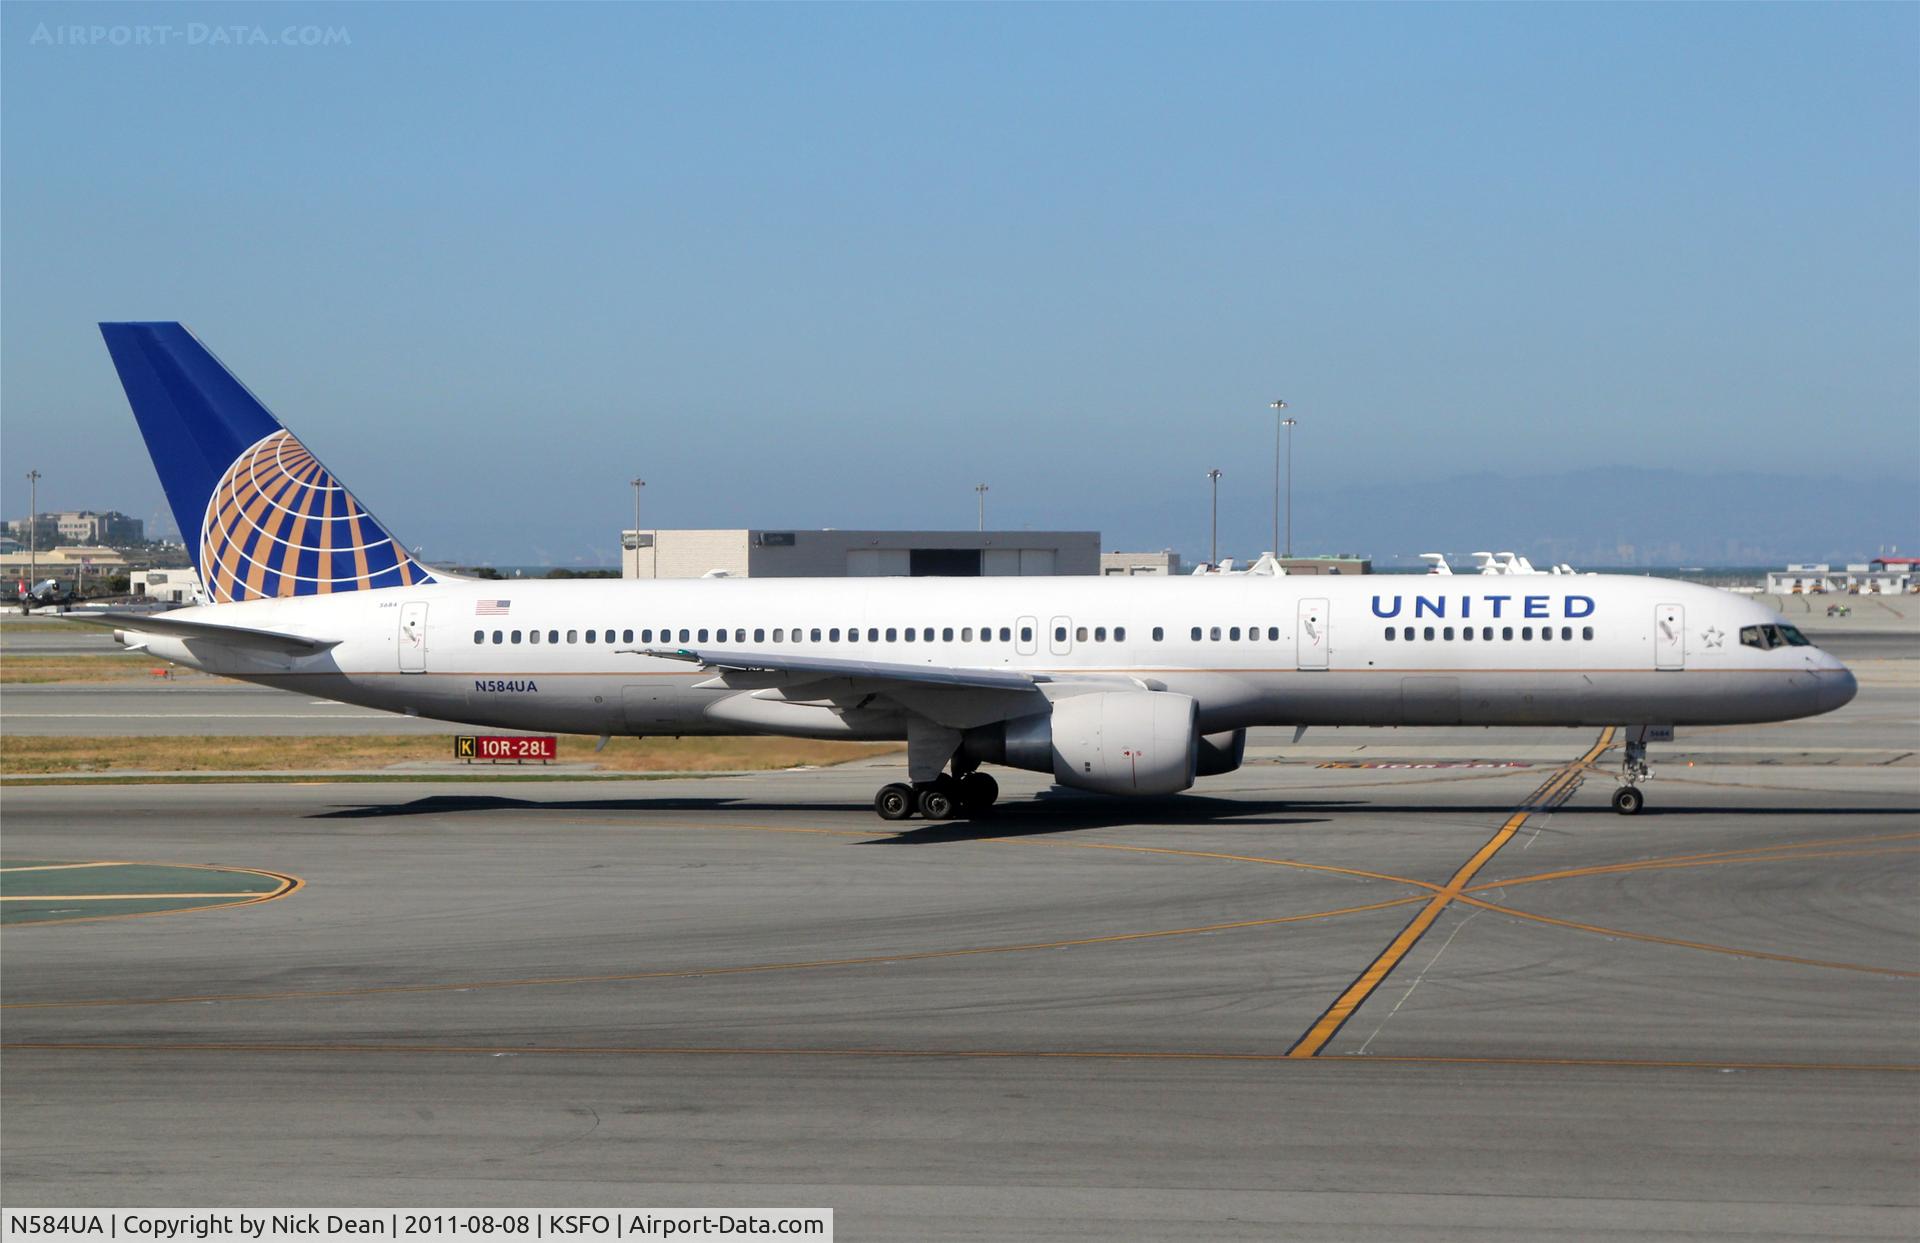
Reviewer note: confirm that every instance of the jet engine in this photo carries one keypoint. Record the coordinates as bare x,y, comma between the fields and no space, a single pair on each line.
1114,742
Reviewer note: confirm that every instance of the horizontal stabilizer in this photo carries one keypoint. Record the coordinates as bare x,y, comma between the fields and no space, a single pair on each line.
240,637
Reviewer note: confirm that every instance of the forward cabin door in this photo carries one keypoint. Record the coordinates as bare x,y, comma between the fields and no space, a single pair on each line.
1669,637
1310,635
413,637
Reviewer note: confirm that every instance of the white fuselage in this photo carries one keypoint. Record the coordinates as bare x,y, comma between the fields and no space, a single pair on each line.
1543,650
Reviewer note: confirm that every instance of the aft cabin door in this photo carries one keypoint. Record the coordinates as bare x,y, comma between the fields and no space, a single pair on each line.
1310,636
413,637
1669,637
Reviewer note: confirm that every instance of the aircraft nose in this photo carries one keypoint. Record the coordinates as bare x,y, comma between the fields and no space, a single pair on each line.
1836,687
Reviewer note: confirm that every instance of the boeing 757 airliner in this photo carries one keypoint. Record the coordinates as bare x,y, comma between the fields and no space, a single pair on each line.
1117,685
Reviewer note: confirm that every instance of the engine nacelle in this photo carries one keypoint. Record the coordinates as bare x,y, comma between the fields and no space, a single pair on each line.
1115,742
1221,753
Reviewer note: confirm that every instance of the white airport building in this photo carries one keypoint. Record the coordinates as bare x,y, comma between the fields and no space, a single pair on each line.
856,554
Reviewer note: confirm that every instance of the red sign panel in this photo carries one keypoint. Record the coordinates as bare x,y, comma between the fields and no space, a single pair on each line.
504,747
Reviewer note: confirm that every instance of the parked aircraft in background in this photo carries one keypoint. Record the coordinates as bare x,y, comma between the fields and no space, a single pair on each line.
1124,685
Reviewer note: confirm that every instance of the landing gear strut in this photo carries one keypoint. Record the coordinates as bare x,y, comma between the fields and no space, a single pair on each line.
944,798
1628,799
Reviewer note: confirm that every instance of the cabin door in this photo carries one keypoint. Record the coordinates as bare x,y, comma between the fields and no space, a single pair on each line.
413,637
1310,634
1669,637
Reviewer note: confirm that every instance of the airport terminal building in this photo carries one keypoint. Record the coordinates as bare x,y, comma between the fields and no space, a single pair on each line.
856,554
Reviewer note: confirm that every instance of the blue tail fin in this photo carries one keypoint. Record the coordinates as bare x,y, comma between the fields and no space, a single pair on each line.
260,513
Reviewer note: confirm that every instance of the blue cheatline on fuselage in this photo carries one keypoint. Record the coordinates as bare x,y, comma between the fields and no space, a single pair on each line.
266,518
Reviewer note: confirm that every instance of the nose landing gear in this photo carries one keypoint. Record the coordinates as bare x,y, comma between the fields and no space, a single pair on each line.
1628,799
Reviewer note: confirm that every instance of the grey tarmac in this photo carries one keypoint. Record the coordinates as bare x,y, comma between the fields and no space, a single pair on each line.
1071,1020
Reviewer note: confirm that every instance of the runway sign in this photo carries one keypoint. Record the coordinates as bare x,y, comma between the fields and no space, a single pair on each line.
505,747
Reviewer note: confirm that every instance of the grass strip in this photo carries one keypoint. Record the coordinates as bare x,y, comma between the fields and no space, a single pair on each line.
25,755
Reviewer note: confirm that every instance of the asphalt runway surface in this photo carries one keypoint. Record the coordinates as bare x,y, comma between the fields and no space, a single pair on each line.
1305,1001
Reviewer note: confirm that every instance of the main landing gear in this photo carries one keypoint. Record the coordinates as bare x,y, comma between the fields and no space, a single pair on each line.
944,798
1628,799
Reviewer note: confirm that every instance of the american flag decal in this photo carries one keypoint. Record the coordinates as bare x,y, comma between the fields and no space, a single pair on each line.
491,608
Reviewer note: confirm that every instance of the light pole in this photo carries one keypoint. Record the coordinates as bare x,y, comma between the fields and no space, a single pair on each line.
1288,424
33,527
1278,408
637,485
1213,548
980,491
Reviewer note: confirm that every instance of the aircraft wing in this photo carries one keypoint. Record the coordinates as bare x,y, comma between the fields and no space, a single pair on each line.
867,670
242,637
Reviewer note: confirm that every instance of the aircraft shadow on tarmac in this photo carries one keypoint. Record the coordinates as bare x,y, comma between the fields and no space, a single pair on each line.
1052,812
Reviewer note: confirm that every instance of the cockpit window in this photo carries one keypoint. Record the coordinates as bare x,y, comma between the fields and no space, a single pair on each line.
1765,637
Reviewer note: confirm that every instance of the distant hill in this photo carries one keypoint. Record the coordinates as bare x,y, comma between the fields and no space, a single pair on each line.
1618,517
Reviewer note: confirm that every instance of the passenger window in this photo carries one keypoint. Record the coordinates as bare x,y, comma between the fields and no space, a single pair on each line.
646,636
573,636
1526,632
1407,634
909,634
1213,632
1466,633
1196,634
516,636
684,636
759,634
1486,633
926,635
946,634
966,634
479,636
1546,632
873,634
892,634
1427,634
1253,633
779,636
1506,632
1566,632
1159,634
533,636
1389,634
703,637
1059,634
1233,632
1080,634
626,636
833,635
553,636
1273,634
1586,632
498,637
1447,633
590,636
1119,634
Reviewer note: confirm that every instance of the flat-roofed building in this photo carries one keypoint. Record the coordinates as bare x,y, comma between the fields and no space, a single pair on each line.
750,553
1129,564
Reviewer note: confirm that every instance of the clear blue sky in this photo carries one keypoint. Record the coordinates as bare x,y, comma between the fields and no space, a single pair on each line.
830,266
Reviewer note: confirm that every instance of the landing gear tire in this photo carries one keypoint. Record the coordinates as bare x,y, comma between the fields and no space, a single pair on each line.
977,793
1627,801
937,801
894,802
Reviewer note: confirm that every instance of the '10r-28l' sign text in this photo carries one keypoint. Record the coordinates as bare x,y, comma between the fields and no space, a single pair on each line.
504,747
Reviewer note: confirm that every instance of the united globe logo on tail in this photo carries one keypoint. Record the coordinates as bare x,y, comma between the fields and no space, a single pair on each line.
277,524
